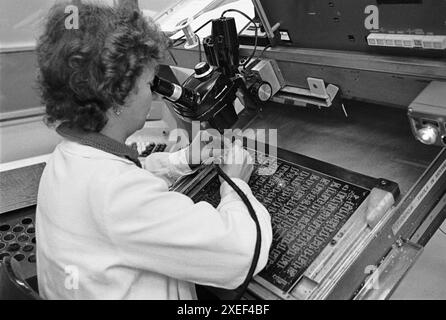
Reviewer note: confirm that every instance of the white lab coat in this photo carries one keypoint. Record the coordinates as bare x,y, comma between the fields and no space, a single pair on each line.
107,229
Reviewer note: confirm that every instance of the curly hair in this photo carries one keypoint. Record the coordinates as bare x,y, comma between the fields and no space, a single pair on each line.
83,72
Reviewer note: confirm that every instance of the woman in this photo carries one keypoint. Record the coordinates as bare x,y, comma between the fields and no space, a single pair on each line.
106,228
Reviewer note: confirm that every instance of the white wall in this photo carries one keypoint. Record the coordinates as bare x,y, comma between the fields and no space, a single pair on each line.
22,131
21,20
25,138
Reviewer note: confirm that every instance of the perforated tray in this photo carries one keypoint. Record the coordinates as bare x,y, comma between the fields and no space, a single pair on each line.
18,238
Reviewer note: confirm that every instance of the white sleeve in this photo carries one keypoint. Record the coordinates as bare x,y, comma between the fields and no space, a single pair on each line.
165,232
168,166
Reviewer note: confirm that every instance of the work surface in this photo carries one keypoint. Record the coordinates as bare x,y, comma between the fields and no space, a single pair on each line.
372,140
375,141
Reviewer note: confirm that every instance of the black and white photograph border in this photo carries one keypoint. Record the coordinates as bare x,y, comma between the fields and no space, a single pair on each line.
236,154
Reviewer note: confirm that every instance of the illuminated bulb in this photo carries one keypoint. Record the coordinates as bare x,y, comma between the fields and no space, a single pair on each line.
427,135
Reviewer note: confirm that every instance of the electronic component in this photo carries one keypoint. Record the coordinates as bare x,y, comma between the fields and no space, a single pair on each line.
407,41
263,78
307,209
261,90
148,148
427,114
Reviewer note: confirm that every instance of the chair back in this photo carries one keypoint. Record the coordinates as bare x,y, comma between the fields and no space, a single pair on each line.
12,284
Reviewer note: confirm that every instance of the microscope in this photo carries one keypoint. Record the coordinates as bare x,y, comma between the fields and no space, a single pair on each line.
208,95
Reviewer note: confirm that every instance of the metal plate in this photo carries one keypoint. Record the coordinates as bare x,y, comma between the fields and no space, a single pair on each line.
316,199
18,239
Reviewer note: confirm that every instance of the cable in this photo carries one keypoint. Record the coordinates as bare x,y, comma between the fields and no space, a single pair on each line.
248,74
256,32
442,231
263,51
203,25
255,259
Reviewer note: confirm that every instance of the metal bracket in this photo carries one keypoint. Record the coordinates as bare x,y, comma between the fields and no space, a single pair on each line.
318,94
383,279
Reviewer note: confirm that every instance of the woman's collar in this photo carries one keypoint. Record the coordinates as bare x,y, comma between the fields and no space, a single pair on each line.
98,141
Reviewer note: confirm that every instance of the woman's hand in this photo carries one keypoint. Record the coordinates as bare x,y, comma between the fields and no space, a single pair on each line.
237,163
205,148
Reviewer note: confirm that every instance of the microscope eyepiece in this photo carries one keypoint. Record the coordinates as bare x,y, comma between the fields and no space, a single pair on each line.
174,92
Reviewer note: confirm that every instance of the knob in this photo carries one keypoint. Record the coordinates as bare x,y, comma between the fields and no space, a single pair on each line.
262,90
202,69
427,134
